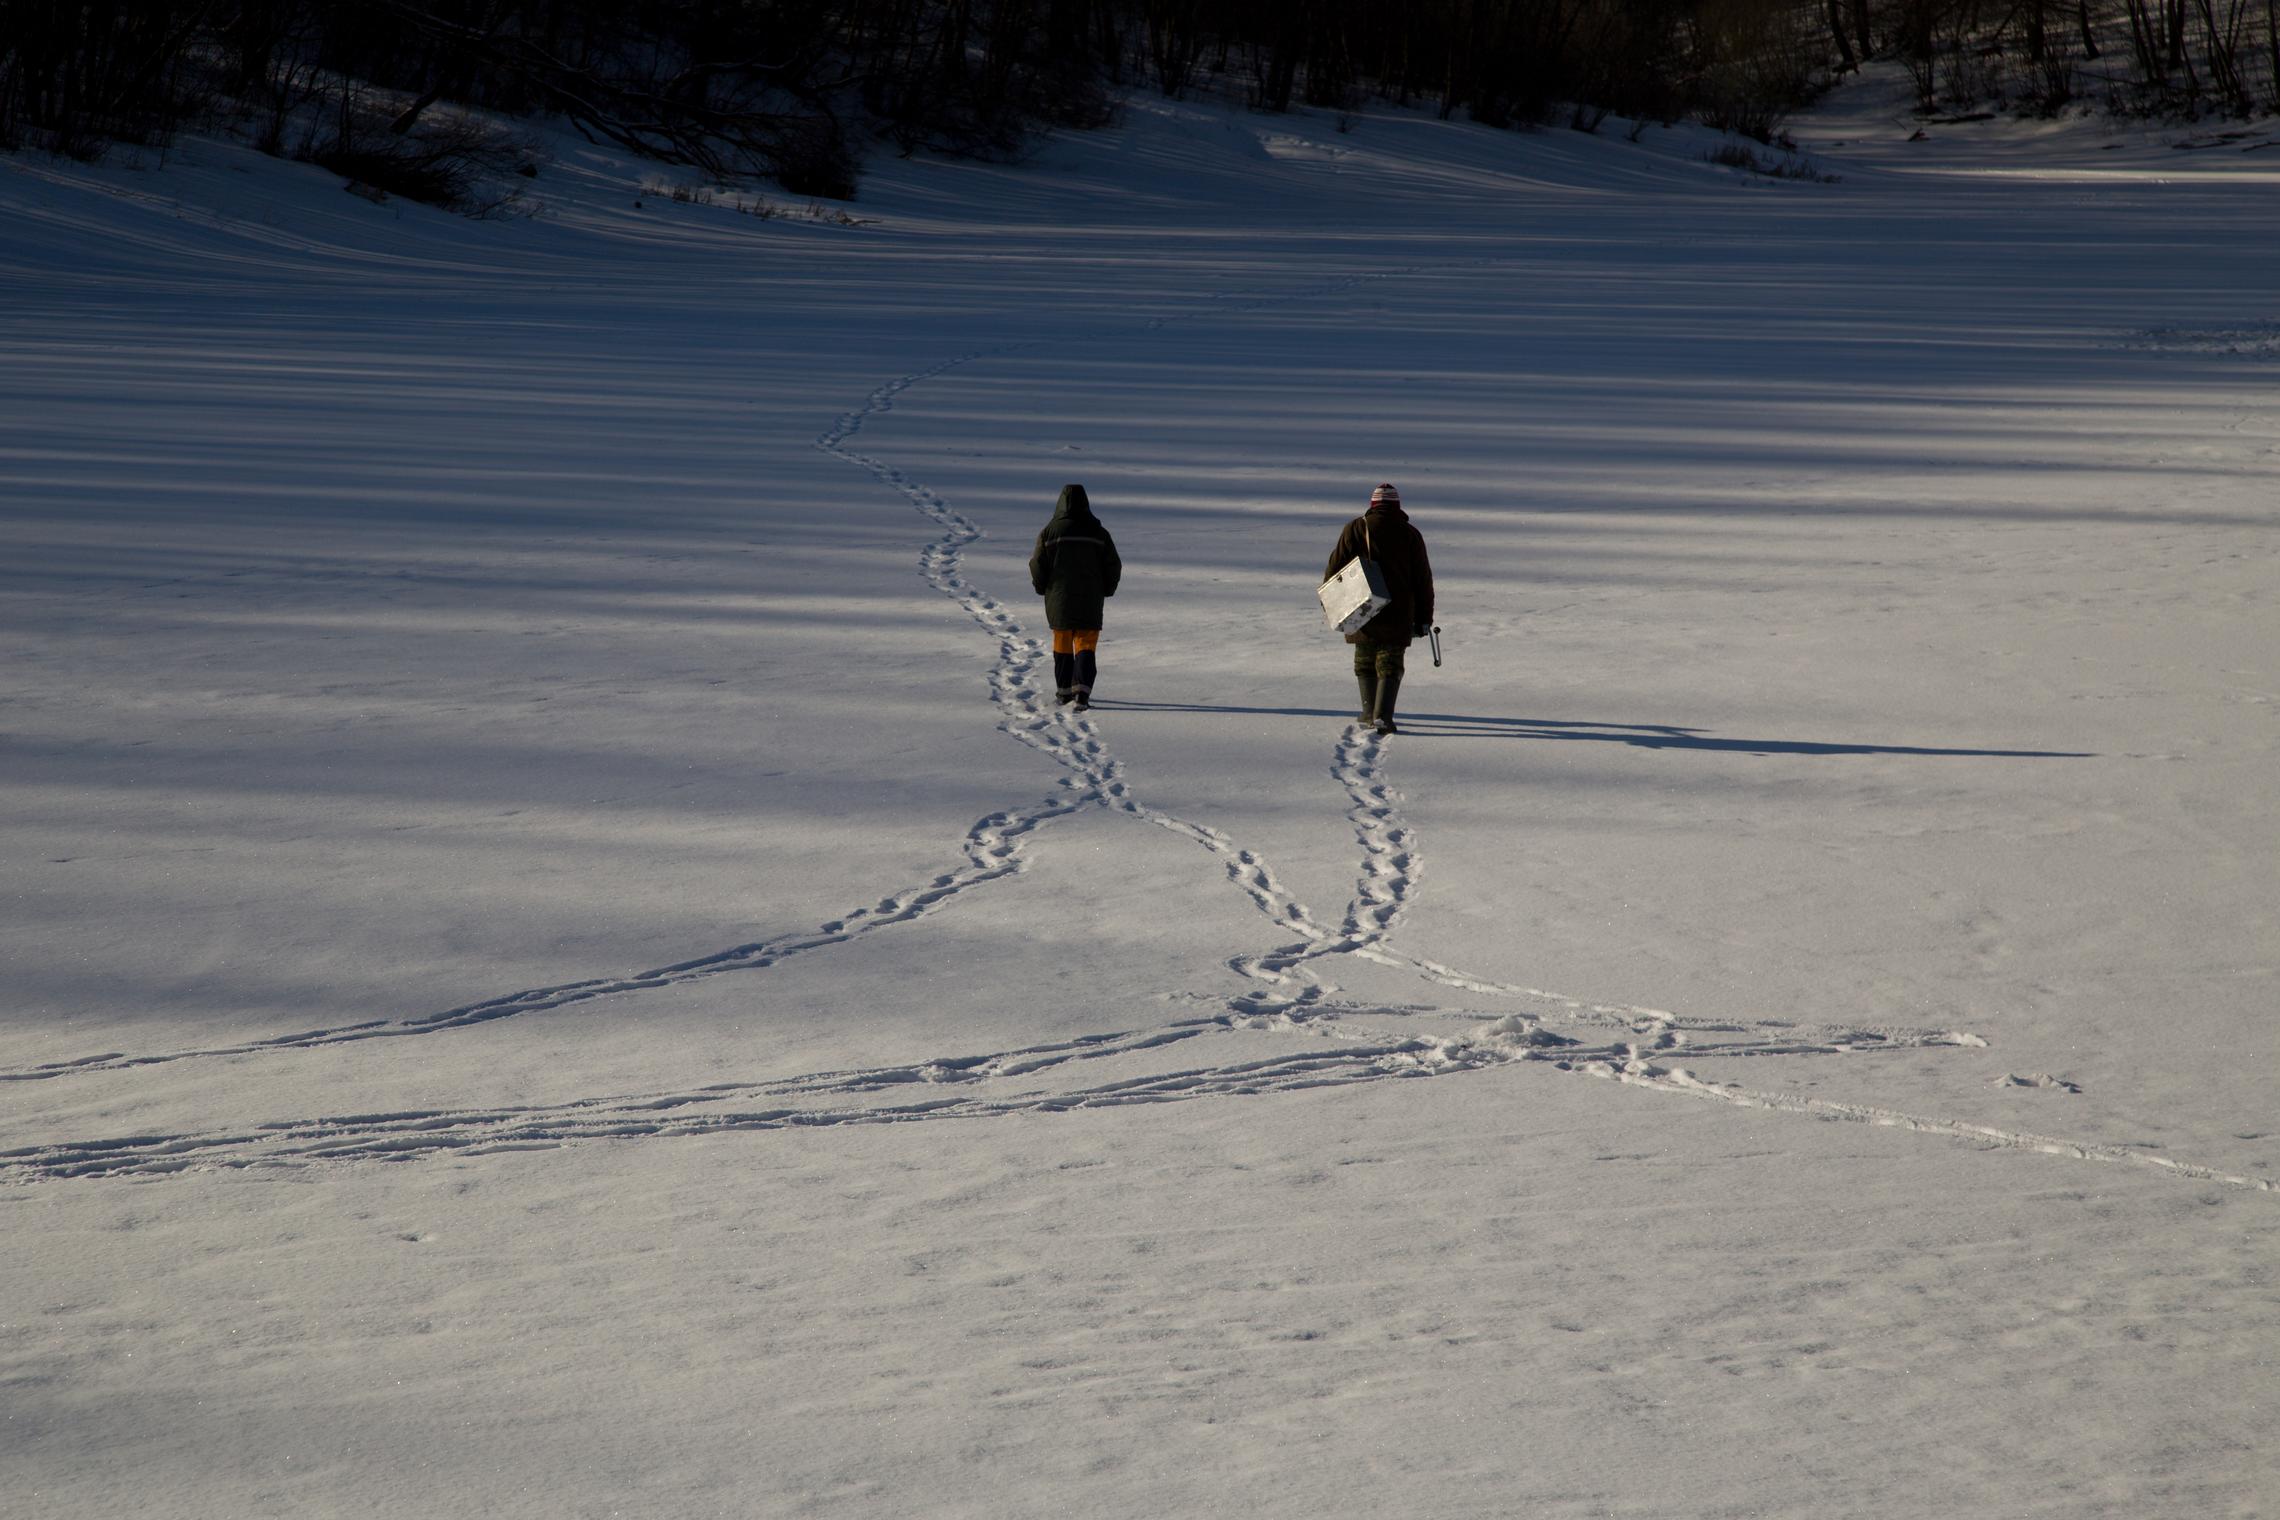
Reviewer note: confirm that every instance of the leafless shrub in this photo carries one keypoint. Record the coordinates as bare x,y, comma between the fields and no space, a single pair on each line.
1789,166
729,198
453,159
1755,63
2053,83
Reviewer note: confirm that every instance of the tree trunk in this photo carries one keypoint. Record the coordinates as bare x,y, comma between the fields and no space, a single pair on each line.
2272,44
2143,41
1837,34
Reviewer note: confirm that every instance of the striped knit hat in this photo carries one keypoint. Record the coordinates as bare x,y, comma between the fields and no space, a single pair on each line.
1385,496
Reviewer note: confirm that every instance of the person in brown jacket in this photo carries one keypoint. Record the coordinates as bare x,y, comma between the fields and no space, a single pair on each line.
1384,533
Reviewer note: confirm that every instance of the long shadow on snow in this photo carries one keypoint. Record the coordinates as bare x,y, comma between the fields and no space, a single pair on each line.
1637,735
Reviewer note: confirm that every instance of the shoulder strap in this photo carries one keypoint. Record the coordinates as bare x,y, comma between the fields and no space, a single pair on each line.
1368,548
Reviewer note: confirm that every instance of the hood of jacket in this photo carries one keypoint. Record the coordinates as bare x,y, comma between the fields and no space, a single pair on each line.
1073,504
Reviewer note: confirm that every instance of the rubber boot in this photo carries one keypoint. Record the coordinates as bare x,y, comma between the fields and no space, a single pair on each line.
1088,670
1388,688
1064,676
1368,682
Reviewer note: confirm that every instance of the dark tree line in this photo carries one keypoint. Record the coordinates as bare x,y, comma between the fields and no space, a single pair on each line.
2175,57
789,89
798,90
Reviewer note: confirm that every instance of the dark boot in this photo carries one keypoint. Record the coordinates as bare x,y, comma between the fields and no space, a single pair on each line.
1088,670
1388,688
1064,676
1368,682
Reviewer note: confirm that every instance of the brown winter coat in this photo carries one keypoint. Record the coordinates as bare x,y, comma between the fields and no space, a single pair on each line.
1399,549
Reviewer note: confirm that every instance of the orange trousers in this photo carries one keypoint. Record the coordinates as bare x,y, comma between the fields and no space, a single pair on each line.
1075,640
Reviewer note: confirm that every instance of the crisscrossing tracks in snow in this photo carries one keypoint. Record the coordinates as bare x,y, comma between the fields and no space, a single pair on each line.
1285,990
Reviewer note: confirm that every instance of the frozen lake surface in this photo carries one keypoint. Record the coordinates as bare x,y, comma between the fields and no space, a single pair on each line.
561,959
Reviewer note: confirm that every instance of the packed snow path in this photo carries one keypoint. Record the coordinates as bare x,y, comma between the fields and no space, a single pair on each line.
1287,987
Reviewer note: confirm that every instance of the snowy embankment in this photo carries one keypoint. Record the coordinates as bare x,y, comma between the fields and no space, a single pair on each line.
556,704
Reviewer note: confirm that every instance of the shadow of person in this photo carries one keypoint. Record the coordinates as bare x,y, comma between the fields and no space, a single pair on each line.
1636,735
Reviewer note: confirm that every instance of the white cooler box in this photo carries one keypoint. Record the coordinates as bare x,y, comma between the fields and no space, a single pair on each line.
1354,595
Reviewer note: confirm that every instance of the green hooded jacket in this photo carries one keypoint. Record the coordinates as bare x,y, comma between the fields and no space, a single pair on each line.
1075,566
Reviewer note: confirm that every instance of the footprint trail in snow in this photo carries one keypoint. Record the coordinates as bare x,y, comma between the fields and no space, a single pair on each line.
1284,991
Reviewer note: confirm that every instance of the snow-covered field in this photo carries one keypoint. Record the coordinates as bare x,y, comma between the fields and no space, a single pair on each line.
560,960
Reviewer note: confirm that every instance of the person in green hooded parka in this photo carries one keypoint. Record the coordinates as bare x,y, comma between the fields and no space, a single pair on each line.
1381,645
1075,568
